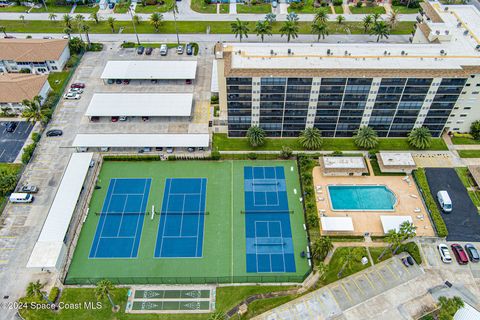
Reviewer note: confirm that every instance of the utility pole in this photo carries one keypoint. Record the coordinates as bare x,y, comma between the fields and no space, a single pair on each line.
134,27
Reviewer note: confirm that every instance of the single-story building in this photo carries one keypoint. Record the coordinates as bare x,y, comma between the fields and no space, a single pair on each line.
50,250
336,225
396,162
140,105
16,87
83,141
150,70
393,222
35,55
343,166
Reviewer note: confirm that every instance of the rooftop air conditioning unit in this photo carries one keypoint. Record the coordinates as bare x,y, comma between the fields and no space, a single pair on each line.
272,52
328,52
289,51
437,32
346,52
442,52
403,53
459,25
385,52
465,32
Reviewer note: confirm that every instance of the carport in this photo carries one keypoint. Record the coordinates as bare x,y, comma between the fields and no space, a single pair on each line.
150,70
463,223
115,140
140,104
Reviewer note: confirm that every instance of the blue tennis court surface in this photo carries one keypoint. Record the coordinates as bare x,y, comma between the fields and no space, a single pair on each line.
180,230
121,220
267,221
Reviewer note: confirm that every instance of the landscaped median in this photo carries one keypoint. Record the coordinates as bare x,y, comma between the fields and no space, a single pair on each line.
168,27
223,143
469,153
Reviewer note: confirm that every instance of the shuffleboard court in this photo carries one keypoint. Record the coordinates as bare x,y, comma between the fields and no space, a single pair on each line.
180,230
121,221
171,305
172,294
269,244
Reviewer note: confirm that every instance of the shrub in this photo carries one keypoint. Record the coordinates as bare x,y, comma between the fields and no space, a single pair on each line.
337,2
297,5
25,70
421,179
475,130
95,46
128,44
36,136
214,99
215,155
151,2
312,220
151,157
412,249
53,295
286,153
28,152
359,4
8,181
252,156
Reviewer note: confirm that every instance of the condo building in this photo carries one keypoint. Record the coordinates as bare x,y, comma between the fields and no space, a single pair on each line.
434,81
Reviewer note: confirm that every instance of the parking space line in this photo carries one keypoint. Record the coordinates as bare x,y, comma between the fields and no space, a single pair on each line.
346,292
333,295
8,237
361,290
369,281
393,273
381,276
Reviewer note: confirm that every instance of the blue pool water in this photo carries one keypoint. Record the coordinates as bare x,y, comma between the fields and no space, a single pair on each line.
361,198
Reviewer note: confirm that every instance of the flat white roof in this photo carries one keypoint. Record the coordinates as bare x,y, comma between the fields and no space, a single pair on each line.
140,104
116,140
344,162
467,312
397,159
393,222
214,82
336,223
150,69
60,213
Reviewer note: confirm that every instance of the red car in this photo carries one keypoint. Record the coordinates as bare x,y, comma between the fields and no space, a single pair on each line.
114,119
78,85
459,253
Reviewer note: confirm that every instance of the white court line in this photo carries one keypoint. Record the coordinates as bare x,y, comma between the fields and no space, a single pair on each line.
199,213
123,213
138,217
166,216
108,207
122,237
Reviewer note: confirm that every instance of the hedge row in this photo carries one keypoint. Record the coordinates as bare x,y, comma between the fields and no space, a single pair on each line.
421,179
306,165
28,152
151,157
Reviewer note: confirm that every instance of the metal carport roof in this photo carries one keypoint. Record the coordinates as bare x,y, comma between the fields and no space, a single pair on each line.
150,69
119,140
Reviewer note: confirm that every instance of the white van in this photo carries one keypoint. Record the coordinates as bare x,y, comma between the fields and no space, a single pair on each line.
444,201
21,198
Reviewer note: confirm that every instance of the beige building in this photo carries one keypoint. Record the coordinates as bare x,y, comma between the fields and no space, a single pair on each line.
36,55
343,166
16,87
397,162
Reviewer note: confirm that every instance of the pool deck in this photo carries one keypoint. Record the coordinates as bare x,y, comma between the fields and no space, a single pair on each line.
408,202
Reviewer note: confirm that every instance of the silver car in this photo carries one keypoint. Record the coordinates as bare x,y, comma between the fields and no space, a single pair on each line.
444,253
163,50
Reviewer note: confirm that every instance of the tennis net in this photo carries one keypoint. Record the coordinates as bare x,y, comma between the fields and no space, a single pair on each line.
172,213
267,212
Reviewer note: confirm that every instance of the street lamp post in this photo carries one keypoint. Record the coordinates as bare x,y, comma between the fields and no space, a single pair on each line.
134,27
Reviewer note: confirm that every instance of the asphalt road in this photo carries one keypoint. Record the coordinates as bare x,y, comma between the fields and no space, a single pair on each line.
463,223
12,142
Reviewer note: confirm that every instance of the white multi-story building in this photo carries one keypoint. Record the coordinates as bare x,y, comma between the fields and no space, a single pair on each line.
35,55
338,87
16,87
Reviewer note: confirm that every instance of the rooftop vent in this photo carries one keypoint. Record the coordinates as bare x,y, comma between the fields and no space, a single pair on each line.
403,53
437,32
459,25
446,8
346,52
289,51
465,32
477,47
443,52
329,52
385,52
447,32
272,52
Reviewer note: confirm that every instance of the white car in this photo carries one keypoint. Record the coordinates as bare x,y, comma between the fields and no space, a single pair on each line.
444,253
72,96
122,118
77,90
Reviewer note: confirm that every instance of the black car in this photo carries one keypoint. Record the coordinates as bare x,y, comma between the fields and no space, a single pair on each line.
410,261
472,252
140,50
189,49
118,81
54,133
148,51
11,126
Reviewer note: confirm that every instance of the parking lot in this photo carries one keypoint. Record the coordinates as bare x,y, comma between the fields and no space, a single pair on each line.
463,223
12,142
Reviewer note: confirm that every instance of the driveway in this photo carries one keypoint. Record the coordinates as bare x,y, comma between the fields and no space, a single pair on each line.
12,142
463,222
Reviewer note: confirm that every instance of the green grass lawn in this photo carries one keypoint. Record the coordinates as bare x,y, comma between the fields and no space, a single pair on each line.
367,10
223,143
258,8
122,7
338,9
86,9
468,182
11,167
57,79
405,10
53,8
14,9
216,27
224,240
202,7
225,8
336,264
377,172
307,8
469,153
464,139
375,252
151,9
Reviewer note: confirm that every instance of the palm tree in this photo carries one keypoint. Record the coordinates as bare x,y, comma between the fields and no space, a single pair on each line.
111,23
4,30
290,29
321,247
34,289
256,136
68,32
376,17
95,17
174,9
420,138
380,29
52,17
367,21
133,23
311,138
321,16
156,20
393,18
321,269
347,260
320,28
137,19
449,306
85,29
240,29
271,17
366,138
263,28
407,230
79,19
340,19
67,19
22,17
103,289
33,110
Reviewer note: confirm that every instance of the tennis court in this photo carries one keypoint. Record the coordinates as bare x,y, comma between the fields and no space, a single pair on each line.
180,231
121,219
269,244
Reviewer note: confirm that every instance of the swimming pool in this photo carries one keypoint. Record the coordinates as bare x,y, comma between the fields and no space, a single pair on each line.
362,198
